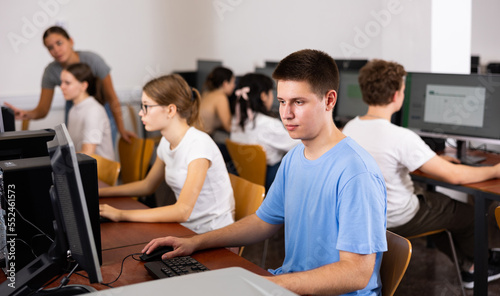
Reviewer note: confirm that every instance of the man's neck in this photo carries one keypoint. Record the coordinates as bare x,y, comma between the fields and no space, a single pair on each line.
378,112
319,145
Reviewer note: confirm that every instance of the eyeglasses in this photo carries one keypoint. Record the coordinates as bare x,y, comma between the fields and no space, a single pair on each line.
146,107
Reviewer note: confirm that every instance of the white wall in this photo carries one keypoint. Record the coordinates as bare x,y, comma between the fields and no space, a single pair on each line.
143,39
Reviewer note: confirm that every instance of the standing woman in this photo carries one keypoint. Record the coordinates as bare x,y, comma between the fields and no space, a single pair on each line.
188,160
214,109
60,47
88,124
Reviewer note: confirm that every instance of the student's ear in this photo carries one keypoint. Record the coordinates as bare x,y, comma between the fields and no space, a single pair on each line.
330,99
85,86
171,110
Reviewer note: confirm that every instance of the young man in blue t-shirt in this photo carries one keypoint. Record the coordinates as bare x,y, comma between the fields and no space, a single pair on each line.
328,193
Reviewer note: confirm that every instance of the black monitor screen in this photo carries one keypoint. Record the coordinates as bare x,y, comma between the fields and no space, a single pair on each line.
204,67
7,120
464,107
350,100
69,200
25,144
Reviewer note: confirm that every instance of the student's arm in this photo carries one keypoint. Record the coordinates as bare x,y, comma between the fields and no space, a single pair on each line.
351,273
457,173
224,113
139,188
41,110
88,148
248,230
178,212
116,109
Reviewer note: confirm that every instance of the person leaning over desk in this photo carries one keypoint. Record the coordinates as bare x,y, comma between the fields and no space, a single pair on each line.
60,47
399,151
187,159
328,192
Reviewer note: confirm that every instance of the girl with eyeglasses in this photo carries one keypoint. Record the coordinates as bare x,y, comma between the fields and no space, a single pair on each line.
187,159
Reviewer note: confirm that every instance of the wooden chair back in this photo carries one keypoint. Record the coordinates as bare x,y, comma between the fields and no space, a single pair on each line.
249,160
135,158
108,170
394,262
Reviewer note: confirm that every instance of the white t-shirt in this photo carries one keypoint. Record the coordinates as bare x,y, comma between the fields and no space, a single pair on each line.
88,123
398,151
214,207
268,132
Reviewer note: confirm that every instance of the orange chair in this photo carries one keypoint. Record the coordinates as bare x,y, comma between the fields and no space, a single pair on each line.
247,197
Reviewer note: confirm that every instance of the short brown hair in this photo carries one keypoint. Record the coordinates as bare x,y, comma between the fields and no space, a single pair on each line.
312,66
379,80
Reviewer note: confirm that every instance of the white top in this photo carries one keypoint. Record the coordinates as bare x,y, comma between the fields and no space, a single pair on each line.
398,151
214,207
268,132
88,123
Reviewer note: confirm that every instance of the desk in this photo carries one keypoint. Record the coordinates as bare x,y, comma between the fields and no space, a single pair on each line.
121,239
483,193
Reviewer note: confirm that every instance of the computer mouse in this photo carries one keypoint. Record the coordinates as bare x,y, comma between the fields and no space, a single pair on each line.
156,254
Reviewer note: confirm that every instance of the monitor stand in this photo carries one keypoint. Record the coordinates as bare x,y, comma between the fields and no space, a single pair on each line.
464,158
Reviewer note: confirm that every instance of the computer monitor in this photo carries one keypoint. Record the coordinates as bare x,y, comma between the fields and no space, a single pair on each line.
204,67
458,106
351,65
349,100
7,120
74,241
25,144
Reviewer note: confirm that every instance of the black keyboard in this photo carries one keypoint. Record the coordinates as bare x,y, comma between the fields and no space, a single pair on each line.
174,267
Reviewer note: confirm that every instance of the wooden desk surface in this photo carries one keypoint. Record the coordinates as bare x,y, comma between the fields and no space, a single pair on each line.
120,234
124,238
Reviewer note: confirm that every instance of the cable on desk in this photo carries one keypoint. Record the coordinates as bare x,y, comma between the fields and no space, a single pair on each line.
121,270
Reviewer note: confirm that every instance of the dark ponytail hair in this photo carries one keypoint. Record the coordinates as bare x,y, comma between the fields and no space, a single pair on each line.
217,77
55,30
83,73
257,83
173,89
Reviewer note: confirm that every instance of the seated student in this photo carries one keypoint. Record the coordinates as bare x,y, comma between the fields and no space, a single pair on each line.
60,46
214,107
188,160
88,124
253,123
399,151
328,192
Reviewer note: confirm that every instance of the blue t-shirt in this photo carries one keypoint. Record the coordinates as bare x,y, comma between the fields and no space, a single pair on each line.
336,202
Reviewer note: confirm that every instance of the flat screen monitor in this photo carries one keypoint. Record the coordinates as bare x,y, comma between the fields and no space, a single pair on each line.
352,65
74,241
349,100
204,67
25,144
7,120
458,106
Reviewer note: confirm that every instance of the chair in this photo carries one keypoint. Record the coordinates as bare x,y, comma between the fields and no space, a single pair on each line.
497,215
247,196
394,262
133,117
25,125
452,247
134,158
249,160
107,169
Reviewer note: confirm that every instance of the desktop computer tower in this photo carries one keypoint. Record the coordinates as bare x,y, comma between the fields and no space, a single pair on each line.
26,220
